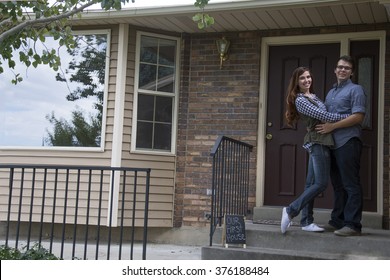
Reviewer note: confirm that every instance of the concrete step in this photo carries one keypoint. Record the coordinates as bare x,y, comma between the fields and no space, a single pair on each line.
321,216
265,241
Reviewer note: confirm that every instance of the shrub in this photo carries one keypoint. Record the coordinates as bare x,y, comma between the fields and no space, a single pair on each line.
7,253
36,252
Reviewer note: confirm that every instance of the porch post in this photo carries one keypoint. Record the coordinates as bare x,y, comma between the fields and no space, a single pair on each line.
120,87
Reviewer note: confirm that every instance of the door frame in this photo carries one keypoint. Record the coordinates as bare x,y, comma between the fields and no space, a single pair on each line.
343,39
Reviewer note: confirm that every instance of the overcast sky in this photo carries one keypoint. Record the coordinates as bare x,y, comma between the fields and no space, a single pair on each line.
145,3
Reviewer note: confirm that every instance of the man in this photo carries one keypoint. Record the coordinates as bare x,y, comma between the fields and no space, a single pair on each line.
346,98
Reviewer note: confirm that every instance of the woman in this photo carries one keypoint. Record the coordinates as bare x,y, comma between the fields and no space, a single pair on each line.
303,104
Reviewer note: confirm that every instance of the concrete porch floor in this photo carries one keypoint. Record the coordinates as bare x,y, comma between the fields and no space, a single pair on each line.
265,241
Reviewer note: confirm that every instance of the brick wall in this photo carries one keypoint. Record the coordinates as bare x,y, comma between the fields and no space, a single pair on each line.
213,102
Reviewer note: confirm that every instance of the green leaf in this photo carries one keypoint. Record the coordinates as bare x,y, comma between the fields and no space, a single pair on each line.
208,20
201,3
11,64
197,17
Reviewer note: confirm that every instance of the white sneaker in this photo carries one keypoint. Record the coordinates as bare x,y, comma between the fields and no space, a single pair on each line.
313,228
285,222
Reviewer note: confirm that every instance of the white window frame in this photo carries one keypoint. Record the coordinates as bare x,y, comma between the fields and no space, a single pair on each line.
175,95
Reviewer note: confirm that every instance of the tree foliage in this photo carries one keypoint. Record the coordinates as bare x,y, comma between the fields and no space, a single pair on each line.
76,132
88,69
25,23
24,20
204,20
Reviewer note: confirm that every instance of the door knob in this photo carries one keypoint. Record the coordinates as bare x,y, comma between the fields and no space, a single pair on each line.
268,136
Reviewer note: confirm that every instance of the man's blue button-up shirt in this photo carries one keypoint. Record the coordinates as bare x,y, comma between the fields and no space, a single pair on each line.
346,98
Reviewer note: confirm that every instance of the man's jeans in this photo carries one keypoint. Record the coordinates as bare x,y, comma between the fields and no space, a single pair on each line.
345,177
316,182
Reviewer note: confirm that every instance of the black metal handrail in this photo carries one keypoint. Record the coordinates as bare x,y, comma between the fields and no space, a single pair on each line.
230,180
56,197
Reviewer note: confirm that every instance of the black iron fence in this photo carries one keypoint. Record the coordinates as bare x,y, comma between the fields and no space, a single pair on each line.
230,180
76,212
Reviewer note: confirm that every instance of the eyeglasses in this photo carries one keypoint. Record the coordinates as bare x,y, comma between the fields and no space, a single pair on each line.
341,67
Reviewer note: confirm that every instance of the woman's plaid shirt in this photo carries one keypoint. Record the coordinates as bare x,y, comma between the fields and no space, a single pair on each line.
316,109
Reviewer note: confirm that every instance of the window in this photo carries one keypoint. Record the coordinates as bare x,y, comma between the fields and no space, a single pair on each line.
63,108
156,94
365,79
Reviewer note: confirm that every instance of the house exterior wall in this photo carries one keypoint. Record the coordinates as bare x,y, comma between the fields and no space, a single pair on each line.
224,101
212,102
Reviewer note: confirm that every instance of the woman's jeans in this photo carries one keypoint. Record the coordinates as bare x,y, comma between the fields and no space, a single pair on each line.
316,182
345,177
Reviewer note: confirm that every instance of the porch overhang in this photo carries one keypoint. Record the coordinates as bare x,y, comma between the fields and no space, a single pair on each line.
244,15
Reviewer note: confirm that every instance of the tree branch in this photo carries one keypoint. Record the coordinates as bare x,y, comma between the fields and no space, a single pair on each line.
41,21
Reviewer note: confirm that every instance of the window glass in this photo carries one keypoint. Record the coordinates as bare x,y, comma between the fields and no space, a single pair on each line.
167,52
154,125
144,135
147,74
145,107
149,50
162,136
57,108
166,80
164,109
157,64
365,79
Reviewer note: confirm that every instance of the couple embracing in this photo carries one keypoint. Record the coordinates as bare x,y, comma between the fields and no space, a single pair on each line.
333,141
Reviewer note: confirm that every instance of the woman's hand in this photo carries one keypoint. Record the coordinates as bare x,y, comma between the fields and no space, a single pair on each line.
325,128
354,119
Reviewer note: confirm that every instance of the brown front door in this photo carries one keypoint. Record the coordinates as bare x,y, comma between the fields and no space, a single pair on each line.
286,160
366,54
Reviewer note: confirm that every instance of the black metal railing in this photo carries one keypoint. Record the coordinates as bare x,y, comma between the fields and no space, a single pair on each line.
230,180
79,212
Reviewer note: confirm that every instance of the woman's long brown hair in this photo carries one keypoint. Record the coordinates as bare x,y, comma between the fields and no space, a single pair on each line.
293,89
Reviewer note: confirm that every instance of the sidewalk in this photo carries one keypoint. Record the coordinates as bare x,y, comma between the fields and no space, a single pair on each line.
172,252
153,251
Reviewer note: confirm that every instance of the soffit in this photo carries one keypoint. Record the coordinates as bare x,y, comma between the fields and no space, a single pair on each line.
268,16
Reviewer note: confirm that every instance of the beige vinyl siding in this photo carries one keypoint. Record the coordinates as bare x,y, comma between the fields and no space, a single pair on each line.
162,166
61,191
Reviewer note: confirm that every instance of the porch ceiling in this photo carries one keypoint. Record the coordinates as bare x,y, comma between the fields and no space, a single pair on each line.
249,15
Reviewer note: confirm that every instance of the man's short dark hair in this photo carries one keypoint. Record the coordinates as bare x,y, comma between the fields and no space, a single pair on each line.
348,59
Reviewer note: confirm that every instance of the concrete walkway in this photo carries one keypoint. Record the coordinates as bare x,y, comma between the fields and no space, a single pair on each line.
153,251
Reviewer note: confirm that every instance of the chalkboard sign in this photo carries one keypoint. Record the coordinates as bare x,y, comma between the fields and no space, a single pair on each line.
234,229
